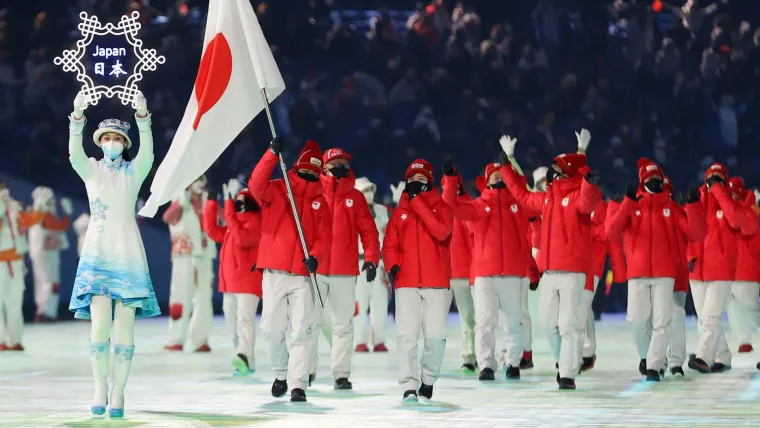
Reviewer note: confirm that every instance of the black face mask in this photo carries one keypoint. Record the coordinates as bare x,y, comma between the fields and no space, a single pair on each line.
551,174
311,178
246,205
416,187
499,185
339,171
653,186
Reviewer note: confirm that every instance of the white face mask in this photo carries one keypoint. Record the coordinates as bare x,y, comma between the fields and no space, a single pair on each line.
112,149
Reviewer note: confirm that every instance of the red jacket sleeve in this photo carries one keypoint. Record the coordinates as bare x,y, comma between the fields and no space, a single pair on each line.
463,210
321,246
617,259
693,224
517,186
439,223
619,219
734,212
589,197
368,232
392,244
598,229
210,224
260,185
753,215
245,234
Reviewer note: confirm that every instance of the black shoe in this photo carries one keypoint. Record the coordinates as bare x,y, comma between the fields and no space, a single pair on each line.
487,374
677,370
426,391
758,366
342,383
410,396
468,368
513,373
297,395
556,366
653,376
566,383
699,365
279,388
643,367
692,357
558,377
719,368
526,363
312,378
588,363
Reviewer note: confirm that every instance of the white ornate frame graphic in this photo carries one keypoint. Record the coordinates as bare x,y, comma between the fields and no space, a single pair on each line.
128,26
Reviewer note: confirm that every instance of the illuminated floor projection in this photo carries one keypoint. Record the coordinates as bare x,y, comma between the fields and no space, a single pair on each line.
50,385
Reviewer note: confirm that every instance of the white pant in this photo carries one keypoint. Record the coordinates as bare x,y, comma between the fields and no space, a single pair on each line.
710,300
677,345
744,310
288,308
11,302
194,297
240,316
421,310
465,306
650,312
46,271
336,322
559,302
586,323
494,295
527,325
372,297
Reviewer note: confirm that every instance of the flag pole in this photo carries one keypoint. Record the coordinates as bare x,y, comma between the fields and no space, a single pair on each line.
297,217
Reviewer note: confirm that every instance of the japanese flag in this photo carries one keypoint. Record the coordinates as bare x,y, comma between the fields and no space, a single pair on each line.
235,66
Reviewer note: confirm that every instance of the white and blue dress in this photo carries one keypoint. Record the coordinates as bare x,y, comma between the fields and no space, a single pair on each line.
113,261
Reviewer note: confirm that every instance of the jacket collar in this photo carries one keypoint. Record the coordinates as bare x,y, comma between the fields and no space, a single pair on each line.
564,186
302,187
431,197
332,187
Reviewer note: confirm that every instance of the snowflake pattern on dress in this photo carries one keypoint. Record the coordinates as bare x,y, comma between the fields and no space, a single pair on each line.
98,349
123,352
98,210
114,165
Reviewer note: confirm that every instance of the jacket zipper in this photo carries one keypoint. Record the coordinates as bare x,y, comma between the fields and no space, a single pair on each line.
651,238
549,222
419,263
501,231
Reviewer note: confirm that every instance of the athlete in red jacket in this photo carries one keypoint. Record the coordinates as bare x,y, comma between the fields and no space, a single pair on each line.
564,256
287,293
239,280
743,307
337,274
500,260
650,220
461,259
714,266
416,254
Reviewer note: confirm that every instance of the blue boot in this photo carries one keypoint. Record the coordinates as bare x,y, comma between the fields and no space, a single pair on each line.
99,356
122,363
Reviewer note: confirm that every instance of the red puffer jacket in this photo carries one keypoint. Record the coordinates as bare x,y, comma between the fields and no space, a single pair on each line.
461,244
748,262
682,266
500,230
240,246
534,232
280,248
351,219
716,256
566,225
598,245
615,249
649,227
417,240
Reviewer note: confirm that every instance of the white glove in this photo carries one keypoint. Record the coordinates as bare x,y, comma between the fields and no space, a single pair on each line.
225,191
141,105
66,206
183,198
583,139
80,103
508,144
234,187
396,191
757,196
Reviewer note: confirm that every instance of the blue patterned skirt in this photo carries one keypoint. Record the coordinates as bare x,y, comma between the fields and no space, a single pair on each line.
117,280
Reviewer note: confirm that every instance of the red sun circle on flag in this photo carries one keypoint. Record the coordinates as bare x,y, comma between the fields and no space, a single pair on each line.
213,75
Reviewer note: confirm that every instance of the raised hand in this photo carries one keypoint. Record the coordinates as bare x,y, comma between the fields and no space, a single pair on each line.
225,191
397,191
66,206
276,146
448,168
592,178
507,144
693,195
631,192
80,103
233,186
584,138
141,105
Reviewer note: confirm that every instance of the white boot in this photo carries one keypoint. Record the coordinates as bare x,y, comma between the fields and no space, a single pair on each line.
99,355
122,363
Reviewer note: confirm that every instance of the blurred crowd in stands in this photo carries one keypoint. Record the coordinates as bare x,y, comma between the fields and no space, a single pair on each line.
390,81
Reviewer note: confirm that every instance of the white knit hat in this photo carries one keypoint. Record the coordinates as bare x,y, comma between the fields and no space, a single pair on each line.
539,174
115,126
363,184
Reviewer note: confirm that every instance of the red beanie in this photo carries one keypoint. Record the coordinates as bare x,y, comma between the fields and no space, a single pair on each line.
333,154
667,185
717,168
648,169
737,186
571,162
480,183
310,157
490,169
420,166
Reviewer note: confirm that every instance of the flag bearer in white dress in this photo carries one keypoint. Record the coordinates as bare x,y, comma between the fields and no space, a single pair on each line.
372,296
47,238
192,280
12,248
112,281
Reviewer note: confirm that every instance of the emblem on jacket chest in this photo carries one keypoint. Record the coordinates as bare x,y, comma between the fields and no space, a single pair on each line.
638,213
349,203
565,202
513,208
488,209
403,216
666,212
719,213
315,205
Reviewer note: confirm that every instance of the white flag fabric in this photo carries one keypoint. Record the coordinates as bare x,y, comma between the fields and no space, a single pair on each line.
235,66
